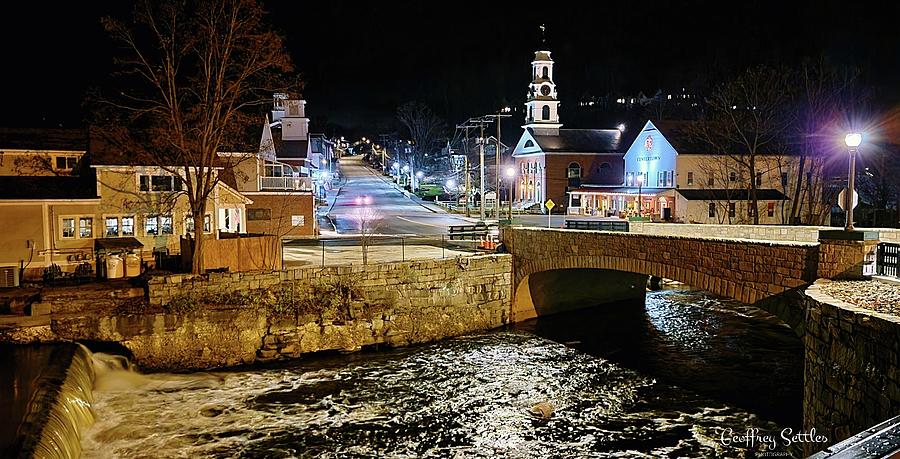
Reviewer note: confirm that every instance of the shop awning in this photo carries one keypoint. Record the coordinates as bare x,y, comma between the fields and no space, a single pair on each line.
117,243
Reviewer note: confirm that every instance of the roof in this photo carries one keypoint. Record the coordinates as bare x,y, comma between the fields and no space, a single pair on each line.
678,133
55,139
580,141
121,147
48,187
117,243
732,195
292,149
617,189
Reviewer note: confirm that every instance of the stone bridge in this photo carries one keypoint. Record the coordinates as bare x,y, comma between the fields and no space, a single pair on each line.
750,271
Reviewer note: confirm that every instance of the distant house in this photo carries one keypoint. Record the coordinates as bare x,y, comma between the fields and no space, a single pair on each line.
668,176
147,202
48,200
282,197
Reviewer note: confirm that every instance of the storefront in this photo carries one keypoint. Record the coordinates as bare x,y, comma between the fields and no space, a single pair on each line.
623,202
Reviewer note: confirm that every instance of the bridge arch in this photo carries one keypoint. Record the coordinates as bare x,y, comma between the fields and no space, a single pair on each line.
753,272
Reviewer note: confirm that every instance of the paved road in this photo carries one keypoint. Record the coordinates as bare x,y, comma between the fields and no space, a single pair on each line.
397,214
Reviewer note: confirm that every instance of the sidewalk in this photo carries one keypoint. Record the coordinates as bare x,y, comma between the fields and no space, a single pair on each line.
322,211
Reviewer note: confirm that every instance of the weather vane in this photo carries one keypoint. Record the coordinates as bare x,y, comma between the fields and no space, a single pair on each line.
543,34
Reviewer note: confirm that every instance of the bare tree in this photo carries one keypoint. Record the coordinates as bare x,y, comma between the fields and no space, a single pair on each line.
367,221
427,130
192,76
826,94
744,119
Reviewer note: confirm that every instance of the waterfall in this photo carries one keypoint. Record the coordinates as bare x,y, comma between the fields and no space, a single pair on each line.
60,408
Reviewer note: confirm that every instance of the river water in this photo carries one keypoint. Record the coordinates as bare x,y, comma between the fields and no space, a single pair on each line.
624,380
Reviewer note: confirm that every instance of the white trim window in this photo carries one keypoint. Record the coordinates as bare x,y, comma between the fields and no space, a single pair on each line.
118,225
111,226
158,225
158,183
189,224
67,228
85,227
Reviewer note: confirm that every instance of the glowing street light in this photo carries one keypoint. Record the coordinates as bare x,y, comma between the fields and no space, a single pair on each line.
420,174
852,140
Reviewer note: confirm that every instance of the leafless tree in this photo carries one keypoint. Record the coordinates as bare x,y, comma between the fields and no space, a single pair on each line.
826,94
427,130
367,221
192,76
744,118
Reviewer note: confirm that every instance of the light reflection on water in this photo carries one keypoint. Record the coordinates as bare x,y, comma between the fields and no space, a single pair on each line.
464,397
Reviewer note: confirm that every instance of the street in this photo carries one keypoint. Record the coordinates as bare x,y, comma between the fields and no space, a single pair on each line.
395,212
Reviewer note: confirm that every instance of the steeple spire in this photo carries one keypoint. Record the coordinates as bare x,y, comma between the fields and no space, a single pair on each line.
543,35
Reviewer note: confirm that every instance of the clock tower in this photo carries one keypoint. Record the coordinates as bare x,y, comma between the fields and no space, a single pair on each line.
542,106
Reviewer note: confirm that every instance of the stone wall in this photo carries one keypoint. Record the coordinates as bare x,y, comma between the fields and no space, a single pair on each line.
747,271
852,368
224,319
758,232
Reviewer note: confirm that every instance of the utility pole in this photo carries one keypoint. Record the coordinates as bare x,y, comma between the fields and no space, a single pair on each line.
481,155
503,113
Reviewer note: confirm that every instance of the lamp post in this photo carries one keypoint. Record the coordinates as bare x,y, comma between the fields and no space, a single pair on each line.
852,140
511,175
640,182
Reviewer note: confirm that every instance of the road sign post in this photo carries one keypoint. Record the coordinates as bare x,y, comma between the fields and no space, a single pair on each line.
549,204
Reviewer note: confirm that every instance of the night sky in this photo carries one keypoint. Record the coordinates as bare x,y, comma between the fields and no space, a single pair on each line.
362,59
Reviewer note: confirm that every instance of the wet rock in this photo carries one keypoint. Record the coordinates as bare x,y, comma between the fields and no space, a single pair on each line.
543,410
212,411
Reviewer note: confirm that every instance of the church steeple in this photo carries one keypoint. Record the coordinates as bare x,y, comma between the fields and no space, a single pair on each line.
542,107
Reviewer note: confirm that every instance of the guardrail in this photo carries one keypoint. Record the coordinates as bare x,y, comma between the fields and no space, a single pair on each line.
597,225
888,259
881,441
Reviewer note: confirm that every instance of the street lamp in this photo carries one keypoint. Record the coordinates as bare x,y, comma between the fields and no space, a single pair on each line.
510,174
852,140
640,182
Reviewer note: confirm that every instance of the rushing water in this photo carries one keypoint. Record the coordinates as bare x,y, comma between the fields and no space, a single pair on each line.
632,381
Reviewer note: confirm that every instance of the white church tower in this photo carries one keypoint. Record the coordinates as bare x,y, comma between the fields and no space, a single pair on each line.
542,107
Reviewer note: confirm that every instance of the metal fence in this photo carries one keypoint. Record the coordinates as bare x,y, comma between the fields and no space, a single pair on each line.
378,249
888,258
597,225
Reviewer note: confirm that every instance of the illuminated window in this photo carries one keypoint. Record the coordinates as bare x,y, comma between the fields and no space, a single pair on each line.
574,170
690,178
68,228
85,227
151,225
128,226
112,227
731,209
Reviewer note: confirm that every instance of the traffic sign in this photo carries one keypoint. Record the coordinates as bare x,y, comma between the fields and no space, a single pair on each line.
549,204
842,199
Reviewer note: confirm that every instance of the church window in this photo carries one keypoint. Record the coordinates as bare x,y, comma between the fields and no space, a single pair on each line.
545,112
574,170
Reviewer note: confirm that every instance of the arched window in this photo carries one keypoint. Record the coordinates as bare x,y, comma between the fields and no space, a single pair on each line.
574,170
603,170
546,73
529,144
545,112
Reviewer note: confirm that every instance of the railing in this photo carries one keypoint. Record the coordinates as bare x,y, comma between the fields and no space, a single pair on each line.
888,259
376,249
597,225
881,440
285,183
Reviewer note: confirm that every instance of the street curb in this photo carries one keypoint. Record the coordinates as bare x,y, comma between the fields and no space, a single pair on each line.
405,193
